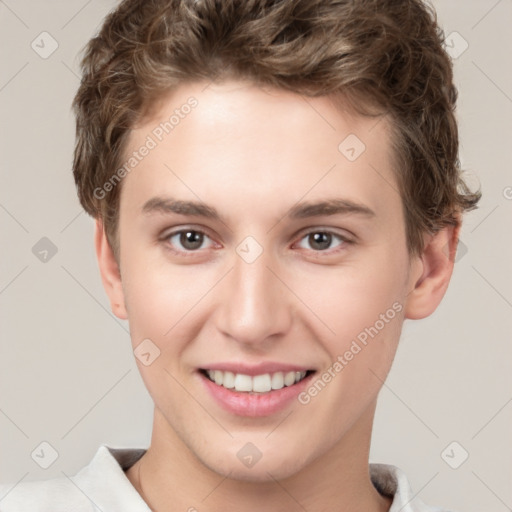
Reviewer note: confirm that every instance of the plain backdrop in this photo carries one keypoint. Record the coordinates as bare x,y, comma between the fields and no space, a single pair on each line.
67,373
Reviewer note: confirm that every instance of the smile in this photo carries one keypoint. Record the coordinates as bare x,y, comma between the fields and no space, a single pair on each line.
262,383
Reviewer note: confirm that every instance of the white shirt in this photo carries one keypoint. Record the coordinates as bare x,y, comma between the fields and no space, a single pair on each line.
103,486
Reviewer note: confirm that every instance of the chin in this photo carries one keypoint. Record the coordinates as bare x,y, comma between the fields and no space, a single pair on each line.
253,475
262,471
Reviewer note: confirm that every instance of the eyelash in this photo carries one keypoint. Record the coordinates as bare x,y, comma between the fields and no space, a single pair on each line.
191,253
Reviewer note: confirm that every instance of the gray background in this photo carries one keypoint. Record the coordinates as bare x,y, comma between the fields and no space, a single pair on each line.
67,373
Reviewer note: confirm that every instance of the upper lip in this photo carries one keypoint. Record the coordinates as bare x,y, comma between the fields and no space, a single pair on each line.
256,369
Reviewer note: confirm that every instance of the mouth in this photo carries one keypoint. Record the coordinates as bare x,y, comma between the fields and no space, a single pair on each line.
263,383
254,390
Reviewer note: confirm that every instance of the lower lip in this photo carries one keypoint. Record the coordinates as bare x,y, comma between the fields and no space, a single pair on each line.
258,404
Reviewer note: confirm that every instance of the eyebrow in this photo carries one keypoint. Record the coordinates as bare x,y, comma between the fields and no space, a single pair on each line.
300,211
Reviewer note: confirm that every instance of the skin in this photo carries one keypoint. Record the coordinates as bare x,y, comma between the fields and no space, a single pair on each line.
253,154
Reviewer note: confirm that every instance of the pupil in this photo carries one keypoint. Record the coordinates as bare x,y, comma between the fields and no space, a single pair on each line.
320,241
191,239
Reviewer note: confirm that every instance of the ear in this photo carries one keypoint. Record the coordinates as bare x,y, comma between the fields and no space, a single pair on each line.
432,273
109,270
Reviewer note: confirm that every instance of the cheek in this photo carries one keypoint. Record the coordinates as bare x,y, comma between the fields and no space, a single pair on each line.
161,309
350,299
161,299
363,305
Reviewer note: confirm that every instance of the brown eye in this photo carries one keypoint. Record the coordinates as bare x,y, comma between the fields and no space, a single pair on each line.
322,240
187,240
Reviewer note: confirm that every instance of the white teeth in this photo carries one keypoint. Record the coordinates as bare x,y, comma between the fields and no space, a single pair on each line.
257,384
289,379
229,380
243,382
277,380
261,383
219,377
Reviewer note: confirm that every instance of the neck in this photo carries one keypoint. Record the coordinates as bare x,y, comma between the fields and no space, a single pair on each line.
170,478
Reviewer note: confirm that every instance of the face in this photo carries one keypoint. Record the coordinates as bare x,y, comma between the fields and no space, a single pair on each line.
262,247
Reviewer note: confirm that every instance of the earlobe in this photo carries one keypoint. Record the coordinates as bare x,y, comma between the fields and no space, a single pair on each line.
109,270
429,283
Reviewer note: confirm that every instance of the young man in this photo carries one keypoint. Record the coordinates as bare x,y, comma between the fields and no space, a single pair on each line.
276,189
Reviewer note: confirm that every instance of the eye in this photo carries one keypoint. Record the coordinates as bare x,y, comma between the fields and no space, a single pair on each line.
190,240
322,240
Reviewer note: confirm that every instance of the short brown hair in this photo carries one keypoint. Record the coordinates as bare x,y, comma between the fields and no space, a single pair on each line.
385,56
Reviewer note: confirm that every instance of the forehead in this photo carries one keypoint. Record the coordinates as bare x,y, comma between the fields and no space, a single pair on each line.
240,145
236,109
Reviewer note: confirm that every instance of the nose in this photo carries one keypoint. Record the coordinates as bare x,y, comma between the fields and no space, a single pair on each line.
254,306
